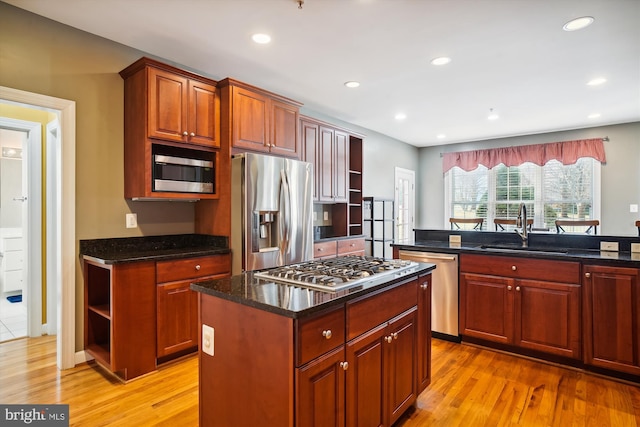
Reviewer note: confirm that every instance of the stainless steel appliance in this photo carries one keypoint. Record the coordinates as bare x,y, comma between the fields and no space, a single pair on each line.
336,274
444,297
271,212
183,175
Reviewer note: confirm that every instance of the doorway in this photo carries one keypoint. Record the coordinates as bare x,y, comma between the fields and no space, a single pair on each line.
60,224
404,203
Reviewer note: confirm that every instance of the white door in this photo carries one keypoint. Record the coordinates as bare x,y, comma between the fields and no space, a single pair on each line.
405,203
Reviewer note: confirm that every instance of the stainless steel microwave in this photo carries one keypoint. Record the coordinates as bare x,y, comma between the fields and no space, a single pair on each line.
182,175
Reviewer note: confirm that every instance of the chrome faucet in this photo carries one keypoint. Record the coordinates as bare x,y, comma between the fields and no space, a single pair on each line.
522,221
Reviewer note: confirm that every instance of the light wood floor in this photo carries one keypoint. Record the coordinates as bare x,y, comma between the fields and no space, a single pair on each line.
471,387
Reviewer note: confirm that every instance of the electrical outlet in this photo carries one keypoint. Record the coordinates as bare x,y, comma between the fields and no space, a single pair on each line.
131,220
315,215
633,208
609,246
455,238
326,216
635,247
207,339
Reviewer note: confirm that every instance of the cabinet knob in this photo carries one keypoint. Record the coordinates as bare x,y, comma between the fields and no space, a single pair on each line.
197,267
424,286
587,275
344,365
192,134
518,288
185,133
388,339
509,288
514,268
327,334
395,335
320,249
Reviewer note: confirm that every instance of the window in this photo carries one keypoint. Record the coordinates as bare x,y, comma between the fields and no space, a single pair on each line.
550,192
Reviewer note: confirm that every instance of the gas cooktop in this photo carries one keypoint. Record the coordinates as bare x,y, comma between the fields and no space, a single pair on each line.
336,273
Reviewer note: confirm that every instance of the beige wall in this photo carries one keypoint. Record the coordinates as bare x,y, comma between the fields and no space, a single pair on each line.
42,56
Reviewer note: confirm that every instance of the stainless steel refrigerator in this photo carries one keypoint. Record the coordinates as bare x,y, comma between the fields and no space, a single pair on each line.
271,212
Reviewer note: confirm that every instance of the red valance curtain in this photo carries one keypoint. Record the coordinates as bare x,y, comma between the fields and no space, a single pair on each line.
566,152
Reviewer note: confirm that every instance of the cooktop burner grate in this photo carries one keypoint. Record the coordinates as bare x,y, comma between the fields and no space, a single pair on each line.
335,273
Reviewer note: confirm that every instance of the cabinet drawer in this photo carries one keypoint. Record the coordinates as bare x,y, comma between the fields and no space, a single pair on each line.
372,310
350,245
12,261
319,334
189,268
324,249
521,268
12,281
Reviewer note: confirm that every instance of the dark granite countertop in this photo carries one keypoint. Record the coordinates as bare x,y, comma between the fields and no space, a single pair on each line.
152,248
581,248
293,301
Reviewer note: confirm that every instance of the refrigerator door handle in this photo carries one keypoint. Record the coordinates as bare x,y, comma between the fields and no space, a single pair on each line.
286,214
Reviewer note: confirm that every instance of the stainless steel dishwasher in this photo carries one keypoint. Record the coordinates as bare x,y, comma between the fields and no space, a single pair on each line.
444,297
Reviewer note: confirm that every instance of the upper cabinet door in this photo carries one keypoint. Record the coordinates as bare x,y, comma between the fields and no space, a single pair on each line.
284,129
203,123
168,94
309,145
324,174
250,120
341,167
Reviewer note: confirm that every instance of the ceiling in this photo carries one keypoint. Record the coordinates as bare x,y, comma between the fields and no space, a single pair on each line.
511,56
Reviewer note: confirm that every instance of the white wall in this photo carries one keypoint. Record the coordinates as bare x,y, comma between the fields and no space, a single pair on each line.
620,174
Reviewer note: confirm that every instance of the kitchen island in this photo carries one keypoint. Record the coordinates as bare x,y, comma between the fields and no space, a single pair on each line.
279,354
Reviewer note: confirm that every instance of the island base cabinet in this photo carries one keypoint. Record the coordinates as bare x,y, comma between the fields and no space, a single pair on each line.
612,321
424,332
320,385
381,377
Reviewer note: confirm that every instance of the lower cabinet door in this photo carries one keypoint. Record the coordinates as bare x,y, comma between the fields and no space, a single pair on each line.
486,307
366,379
177,314
401,364
320,385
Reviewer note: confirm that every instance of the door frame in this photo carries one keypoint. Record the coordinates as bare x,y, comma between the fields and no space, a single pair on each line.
31,223
66,217
411,175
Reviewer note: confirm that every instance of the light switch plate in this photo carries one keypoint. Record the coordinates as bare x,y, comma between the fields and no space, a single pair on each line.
633,208
609,246
131,220
207,339
635,247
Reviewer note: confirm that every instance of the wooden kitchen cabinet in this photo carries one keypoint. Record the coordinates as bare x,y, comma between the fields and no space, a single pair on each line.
333,165
177,304
332,248
424,332
531,304
259,120
612,318
167,111
354,363
120,316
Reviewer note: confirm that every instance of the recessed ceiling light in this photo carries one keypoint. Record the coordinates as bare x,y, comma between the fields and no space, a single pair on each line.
442,60
352,84
441,136
261,38
597,81
401,116
492,115
578,23
593,116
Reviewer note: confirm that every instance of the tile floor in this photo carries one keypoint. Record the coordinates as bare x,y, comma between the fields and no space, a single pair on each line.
13,319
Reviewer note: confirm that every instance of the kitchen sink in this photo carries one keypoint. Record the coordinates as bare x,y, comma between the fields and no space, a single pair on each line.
519,248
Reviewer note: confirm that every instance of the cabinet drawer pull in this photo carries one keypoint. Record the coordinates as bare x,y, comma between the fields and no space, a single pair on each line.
388,339
514,268
320,249
395,335
424,286
344,365
587,275
185,133
197,267
509,288
518,288
352,245
327,334
192,134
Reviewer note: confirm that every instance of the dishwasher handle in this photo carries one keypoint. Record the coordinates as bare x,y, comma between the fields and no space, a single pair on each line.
420,257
